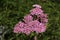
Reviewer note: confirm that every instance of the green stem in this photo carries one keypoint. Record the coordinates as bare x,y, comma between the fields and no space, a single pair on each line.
35,37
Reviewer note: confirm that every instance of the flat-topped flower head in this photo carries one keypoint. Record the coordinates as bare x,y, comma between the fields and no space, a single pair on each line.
32,23
18,27
37,10
27,18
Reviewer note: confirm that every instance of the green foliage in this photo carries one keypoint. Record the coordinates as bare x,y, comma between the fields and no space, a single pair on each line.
12,11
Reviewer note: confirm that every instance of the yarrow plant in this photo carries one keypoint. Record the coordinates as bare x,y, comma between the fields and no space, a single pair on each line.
31,24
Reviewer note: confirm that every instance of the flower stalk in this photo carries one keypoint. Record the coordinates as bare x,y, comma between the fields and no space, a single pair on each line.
35,37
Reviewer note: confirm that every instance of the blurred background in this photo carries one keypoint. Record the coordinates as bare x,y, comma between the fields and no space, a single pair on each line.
12,11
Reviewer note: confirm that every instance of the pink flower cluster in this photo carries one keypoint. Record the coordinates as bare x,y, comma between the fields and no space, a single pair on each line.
29,25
